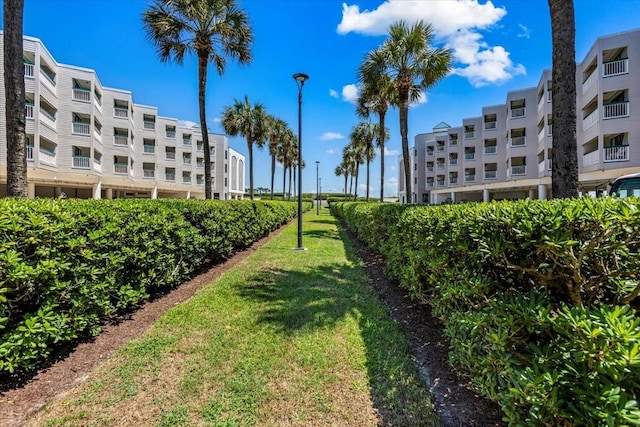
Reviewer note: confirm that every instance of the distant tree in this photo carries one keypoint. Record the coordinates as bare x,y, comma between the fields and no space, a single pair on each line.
564,165
343,170
249,121
365,133
15,99
214,30
377,93
287,151
276,131
414,66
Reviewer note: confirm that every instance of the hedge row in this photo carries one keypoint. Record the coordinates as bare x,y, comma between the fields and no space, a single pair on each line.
537,298
67,265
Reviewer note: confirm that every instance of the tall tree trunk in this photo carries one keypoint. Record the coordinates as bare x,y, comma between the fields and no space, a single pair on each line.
273,172
202,86
368,161
14,103
351,186
355,190
250,148
289,193
381,141
346,178
564,172
284,181
404,113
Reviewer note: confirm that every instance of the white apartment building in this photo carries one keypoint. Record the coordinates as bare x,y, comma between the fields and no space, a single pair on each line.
90,141
505,153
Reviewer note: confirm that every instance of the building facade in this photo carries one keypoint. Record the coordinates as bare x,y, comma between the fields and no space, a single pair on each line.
90,141
506,152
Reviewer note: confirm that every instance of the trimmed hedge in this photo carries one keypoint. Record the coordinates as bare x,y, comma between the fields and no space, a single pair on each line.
67,265
538,298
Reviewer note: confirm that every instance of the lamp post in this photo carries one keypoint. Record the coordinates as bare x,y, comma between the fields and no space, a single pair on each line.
300,78
320,184
317,189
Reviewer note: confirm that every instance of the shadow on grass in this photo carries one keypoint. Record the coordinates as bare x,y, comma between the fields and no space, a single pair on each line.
295,302
330,233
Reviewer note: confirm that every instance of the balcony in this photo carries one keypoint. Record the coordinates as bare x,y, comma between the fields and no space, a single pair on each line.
541,166
453,161
80,94
470,177
171,156
614,68
186,179
199,180
490,174
440,166
80,162
440,147
122,140
591,158
490,125
591,80
617,153
429,168
469,156
149,125
616,109
170,176
430,184
149,149
47,156
28,69
429,152
186,141
490,149
518,112
453,180
149,173
453,142
48,118
591,118
470,134
171,133
97,165
80,128
28,111
186,160
440,183
200,164
518,141
121,112
519,170
120,168
29,153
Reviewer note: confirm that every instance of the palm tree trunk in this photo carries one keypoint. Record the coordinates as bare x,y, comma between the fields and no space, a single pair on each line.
564,173
273,172
289,193
368,161
351,186
250,148
284,181
14,99
346,178
202,86
404,113
381,144
355,190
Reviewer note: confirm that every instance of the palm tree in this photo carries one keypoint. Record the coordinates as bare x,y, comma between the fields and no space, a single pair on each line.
414,66
377,93
287,151
276,129
564,169
14,99
365,133
214,30
343,170
248,121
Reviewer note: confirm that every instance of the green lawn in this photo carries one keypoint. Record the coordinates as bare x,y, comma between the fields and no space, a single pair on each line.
284,338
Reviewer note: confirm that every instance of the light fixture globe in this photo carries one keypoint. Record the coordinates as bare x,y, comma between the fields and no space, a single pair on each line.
301,77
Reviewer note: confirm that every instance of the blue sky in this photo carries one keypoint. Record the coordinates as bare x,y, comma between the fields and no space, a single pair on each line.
498,46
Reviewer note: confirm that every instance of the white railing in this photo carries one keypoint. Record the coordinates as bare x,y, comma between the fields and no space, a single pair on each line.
588,121
453,161
519,170
149,125
469,135
518,112
591,158
97,165
469,177
47,118
469,156
50,79
171,156
149,173
29,152
453,142
120,112
120,168
47,156
186,179
440,147
97,134
199,180
541,167
80,128
490,125
28,111
541,135
518,141
618,109
171,134
120,140
200,165
200,147
613,68
186,160
440,166
588,84
186,141
549,130
490,174
429,168
430,184
541,103
149,149
81,162
429,152
453,180
79,94
28,69
170,176
490,149
617,153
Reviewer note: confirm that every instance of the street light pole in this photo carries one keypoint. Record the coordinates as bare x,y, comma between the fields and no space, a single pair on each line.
300,78
317,189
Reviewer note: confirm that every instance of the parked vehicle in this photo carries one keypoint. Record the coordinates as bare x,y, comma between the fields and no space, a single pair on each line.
626,185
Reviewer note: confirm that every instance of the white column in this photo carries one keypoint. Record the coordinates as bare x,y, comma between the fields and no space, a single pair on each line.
31,190
97,190
453,196
188,194
532,194
154,192
485,196
109,194
542,192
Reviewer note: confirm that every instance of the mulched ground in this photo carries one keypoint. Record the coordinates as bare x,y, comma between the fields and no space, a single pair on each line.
456,403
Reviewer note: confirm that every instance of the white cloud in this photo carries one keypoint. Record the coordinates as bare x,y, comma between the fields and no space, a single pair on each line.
331,151
187,123
391,186
388,152
330,136
526,33
334,94
457,24
422,99
217,120
350,93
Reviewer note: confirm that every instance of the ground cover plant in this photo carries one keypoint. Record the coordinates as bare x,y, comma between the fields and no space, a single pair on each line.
284,338
68,265
538,298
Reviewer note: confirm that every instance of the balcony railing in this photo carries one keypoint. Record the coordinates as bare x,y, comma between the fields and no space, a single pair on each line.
81,128
120,168
518,112
471,177
47,155
613,68
149,149
80,94
186,160
186,141
171,134
199,180
469,156
440,183
541,166
617,109
591,158
121,140
429,168
490,149
186,179
440,147
149,125
490,125
170,176
200,147
29,153
28,111
453,180
588,84
490,174
617,153
519,170
148,173
541,103
429,184
120,112
28,69
518,141
200,165
588,121
171,156
440,166
429,152
470,134
81,162
97,165
453,161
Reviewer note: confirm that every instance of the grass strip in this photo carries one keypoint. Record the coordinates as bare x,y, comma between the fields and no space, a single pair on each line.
284,338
